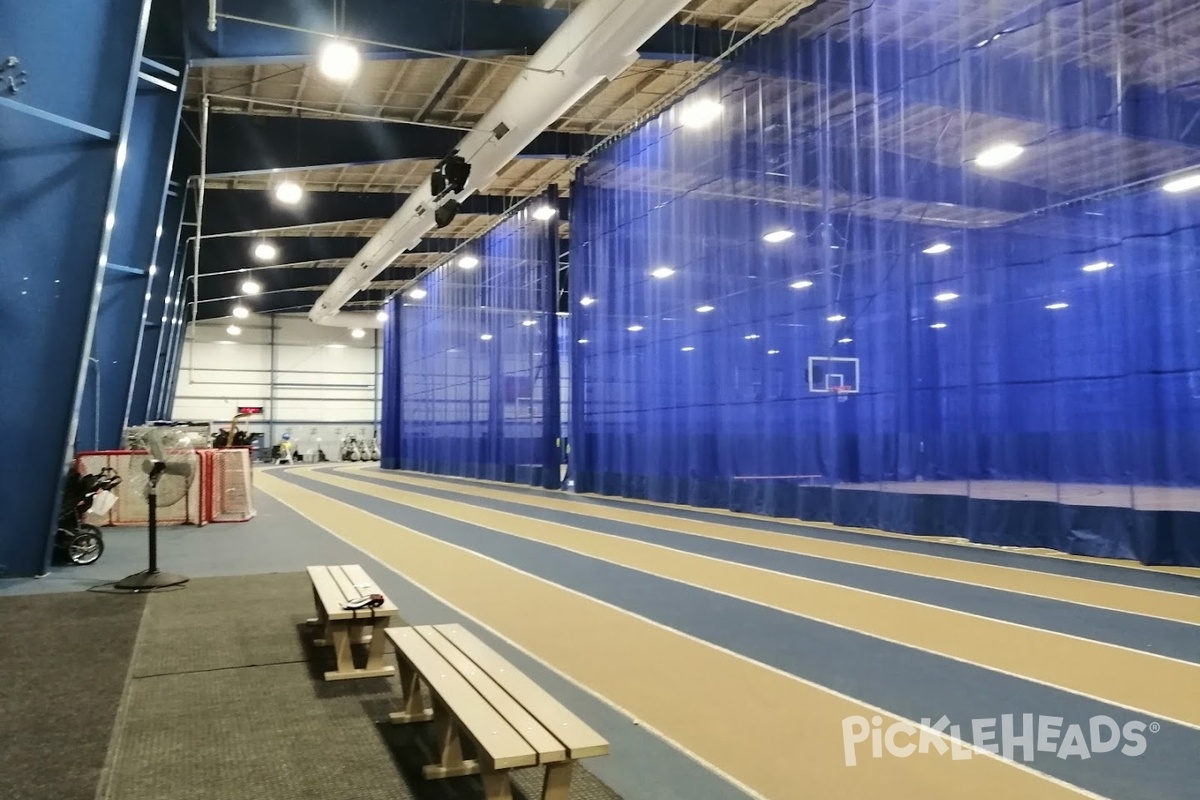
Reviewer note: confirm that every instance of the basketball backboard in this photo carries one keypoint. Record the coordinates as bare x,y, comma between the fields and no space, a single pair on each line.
827,372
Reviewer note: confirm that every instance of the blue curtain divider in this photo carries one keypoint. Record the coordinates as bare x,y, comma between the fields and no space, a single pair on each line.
471,369
909,268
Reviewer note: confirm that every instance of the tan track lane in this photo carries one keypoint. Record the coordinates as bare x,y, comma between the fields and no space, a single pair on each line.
777,735
1100,594
1141,681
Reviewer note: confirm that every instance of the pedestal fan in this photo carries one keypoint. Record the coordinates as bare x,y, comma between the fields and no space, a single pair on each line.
166,477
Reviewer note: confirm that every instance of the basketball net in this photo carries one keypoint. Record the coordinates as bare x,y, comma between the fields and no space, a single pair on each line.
842,392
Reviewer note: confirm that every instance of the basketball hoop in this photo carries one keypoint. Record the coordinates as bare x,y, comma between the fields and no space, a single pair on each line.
843,392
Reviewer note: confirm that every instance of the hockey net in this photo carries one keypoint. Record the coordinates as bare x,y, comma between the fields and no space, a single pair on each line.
220,490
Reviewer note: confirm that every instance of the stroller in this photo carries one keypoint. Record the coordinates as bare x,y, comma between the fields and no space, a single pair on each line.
77,541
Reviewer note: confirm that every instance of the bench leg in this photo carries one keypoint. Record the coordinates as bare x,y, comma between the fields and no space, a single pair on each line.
339,633
376,640
449,744
558,781
496,785
410,689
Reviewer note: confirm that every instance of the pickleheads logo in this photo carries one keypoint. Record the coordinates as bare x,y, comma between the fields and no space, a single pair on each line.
1027,735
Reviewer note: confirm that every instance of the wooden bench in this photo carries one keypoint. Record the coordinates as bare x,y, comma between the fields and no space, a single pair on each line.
343,627
510,720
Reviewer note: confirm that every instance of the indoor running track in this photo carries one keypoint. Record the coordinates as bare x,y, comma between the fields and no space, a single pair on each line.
748,643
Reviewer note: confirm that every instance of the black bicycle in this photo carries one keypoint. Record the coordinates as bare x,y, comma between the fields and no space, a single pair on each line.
77,541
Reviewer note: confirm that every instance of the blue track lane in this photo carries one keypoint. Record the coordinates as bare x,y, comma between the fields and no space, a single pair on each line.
1148,634
903,680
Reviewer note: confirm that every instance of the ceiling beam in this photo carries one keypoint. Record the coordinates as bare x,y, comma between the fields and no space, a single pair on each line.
284,31
246,210
243,144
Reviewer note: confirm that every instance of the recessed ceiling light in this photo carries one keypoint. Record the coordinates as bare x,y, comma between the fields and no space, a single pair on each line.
528,323
935,249
381,316
772,352
662,272
251,287
751,336
586,301
265,251
544,212
289,192
937,326
417,294
339,61
1185,184
778,235
241,312
801,284
358,333
487,337
705,309
945,297
468,262
835,318
700,113
1057,306
635,328
234,330
845,340
998,155
1098,266
687,349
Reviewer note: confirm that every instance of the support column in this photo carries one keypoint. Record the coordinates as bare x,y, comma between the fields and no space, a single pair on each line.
128,280
551,386
66,130
159,311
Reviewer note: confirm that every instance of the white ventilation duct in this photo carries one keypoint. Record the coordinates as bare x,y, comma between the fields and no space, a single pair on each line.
598,40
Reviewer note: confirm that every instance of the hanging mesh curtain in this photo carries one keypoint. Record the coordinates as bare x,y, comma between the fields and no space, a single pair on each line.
471,367
924,267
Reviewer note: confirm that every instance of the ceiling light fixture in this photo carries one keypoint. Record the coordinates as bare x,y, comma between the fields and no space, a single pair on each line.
251,287
1185,184
468,262
778,235
936,248
835,318
265,251
998,155
1098,266
544,212
381,316
700,113
662,272
289,192
801,284
358,333
241,312
687,349
750,336
234,330
845,340
945,297
339,61
1056,306
417,294
487,337
583,341
937,326
772,352
635,328
528,323
586,301
704,309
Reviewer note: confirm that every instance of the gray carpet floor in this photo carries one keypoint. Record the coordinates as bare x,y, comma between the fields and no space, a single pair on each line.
64,661
226,701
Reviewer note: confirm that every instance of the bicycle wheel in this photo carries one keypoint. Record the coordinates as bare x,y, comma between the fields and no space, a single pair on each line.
86,546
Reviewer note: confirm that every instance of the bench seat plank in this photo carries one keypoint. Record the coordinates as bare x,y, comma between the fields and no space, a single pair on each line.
548,748
496,738
579,739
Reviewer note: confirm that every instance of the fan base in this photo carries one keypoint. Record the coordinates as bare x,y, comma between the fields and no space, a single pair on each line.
150,580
